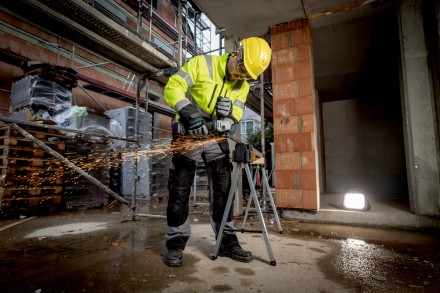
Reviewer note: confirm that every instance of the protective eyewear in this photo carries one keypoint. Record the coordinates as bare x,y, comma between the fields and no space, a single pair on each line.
242,72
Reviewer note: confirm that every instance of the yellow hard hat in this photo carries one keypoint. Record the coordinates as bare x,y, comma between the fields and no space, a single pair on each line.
256,55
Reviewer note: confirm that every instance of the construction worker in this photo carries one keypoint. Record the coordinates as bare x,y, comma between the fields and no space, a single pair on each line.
209,88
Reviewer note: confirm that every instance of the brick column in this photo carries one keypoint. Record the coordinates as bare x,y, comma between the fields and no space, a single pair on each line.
294,116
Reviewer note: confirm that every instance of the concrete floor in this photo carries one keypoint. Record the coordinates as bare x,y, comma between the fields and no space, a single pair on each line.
106,251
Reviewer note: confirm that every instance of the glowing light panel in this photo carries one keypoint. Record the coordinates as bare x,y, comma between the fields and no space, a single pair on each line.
354,200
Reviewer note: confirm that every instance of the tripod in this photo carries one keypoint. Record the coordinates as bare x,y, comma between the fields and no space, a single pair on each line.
265,185
242,156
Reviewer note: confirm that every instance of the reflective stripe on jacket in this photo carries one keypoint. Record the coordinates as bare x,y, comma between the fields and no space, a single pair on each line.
201,81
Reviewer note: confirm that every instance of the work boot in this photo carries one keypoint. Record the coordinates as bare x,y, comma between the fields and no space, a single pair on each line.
236,253
174,258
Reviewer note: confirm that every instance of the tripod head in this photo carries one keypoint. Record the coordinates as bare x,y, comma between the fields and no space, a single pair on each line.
242,153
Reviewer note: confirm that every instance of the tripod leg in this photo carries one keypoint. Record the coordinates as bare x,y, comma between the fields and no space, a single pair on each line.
194,187
246,213
260,217
263,193
248,206
272,203
228,207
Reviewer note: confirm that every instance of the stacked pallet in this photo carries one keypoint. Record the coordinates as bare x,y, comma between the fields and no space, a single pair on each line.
160,171
95,159
29,177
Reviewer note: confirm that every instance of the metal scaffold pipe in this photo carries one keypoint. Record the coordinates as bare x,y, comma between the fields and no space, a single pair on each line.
179,24
263,138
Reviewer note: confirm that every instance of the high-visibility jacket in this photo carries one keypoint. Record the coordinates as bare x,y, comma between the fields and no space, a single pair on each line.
201,81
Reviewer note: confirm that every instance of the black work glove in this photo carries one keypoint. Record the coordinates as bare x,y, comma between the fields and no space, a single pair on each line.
192,120
197,127
223,107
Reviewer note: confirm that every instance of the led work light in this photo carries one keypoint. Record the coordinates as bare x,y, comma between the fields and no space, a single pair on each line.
355,200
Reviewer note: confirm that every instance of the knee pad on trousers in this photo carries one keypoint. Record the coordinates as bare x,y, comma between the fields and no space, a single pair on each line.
221,173
180,182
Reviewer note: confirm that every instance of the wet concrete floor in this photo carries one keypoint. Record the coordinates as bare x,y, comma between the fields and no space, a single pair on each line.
106,251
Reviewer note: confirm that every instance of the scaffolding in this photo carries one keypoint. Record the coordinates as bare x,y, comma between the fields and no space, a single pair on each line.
145,53
134,142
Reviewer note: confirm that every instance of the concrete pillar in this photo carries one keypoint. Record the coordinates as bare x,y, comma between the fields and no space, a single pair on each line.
294,116
419,113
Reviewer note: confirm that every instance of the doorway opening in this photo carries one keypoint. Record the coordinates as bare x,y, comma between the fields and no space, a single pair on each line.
356,63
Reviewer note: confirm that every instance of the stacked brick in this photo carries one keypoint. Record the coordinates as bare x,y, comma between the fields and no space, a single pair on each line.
29,177
294,116
43,92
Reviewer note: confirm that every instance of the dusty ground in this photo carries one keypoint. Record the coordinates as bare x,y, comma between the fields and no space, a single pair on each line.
106,251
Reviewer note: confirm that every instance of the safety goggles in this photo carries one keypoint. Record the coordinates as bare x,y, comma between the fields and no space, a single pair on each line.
242,72
241,69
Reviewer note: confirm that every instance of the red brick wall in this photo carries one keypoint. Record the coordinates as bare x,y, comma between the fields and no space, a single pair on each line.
294,116
41,53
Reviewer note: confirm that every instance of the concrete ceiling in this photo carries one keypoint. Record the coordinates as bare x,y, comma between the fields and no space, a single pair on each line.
247,18
346,34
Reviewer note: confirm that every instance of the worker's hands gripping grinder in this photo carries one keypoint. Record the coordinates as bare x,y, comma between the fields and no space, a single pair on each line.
195,125
200,127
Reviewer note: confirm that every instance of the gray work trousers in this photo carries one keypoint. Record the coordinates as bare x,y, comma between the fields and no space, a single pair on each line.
216,157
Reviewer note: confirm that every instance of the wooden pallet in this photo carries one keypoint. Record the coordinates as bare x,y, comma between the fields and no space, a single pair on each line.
25,181
29,162
50,171
30,201
17,151
37,132
29,176
23,142
13,192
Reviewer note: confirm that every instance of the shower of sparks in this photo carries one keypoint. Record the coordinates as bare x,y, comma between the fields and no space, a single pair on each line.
181,145
45,182
158,149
